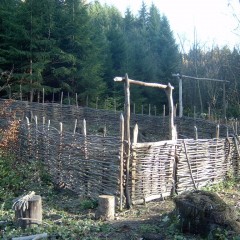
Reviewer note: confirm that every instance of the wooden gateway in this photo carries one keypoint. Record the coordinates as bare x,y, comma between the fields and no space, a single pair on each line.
126,142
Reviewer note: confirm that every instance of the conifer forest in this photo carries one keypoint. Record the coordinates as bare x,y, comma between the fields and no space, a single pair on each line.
73,46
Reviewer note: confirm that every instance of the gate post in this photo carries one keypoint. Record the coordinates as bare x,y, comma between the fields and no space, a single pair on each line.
127,138
172,127
121,159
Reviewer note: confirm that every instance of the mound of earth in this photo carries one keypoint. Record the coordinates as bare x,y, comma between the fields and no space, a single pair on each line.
201,212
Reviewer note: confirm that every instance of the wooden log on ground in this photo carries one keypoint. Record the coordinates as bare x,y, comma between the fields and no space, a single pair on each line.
32,237
29,213
106,208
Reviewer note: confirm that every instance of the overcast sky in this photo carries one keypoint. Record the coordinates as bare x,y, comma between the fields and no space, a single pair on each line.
213,20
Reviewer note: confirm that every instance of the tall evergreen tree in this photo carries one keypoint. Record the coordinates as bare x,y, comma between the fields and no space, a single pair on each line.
11,35
78,68
71,46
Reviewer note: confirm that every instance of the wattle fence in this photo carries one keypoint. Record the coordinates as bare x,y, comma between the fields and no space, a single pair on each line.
87,160
88,165
161,169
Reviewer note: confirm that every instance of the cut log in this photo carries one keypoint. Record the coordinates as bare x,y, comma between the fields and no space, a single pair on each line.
32,215
106,208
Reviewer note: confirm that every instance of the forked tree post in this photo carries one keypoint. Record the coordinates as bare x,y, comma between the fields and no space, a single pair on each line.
172,128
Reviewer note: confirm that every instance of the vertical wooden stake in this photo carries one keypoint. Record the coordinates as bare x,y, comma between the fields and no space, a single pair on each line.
87,101
77,100
121,159
134,108
43,96
133,167
149,109
217,131
104,130
97,103
155,110
127,137
29,141
135,133
196,132
75,127
61,98
36,147
59,161
36,120
69,102
84,128
86,169
49,125
47,151
28,123
21,92
180,97
236,126
164,111
224,101
61,128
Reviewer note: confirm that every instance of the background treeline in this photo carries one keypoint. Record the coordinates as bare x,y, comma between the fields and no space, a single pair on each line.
73,47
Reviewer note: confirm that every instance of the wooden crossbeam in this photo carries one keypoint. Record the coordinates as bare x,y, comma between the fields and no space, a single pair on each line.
197,78
137,82
180,77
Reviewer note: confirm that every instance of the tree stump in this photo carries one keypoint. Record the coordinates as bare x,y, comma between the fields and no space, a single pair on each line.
106,208
30,215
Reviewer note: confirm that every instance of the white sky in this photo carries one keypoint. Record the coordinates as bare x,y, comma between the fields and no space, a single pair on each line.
213,20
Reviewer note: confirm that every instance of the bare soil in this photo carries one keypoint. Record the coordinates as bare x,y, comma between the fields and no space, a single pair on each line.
154,220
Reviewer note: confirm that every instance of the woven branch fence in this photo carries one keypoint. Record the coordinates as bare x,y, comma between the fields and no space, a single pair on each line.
88,160
151,128
163,168
86,164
